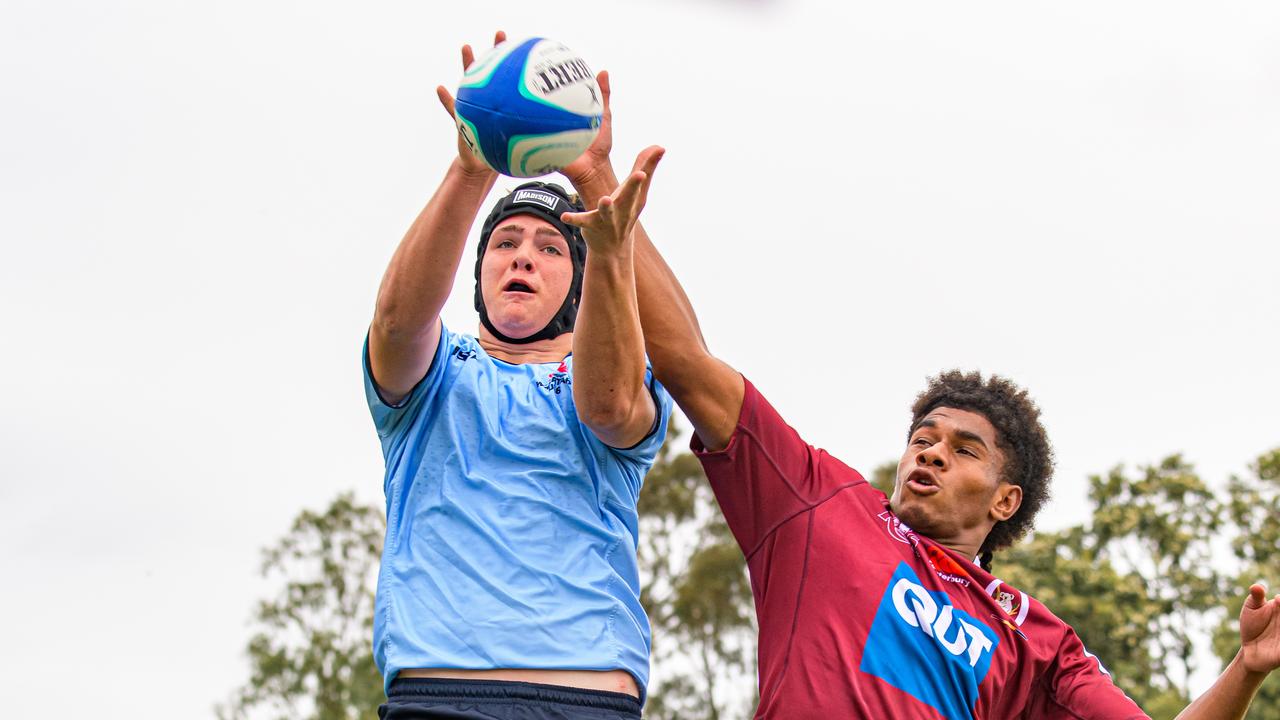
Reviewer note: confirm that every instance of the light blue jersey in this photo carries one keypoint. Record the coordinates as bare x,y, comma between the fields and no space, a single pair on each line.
511,529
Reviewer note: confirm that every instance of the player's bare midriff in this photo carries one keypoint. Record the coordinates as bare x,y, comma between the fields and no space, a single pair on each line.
619,681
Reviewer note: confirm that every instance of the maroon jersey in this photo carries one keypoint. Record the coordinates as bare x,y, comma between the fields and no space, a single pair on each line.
862,618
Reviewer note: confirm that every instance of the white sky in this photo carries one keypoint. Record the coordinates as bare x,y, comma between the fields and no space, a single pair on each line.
197,201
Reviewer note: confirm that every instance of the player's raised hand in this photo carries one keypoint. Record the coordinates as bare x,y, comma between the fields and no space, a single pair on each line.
470,161
1260,631
608,227
596,157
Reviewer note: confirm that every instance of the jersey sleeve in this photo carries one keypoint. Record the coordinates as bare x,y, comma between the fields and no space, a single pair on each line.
646,449
1080,688
390,418
767,473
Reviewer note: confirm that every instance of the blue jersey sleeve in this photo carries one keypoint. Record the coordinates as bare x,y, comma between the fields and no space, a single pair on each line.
647,449
390,418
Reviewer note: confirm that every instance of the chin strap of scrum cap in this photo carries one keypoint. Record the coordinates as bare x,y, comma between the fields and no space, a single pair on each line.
546,201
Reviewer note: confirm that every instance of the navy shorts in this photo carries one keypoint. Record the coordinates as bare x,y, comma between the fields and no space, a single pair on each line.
437,699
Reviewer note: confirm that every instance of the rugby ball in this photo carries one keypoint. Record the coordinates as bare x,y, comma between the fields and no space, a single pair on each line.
529,107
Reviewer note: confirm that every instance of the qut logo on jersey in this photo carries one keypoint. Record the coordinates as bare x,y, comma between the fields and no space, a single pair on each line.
923,645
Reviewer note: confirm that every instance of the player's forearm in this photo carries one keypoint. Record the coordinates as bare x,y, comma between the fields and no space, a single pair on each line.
420,275
709,391
670,325
608,351
1229,696
673,337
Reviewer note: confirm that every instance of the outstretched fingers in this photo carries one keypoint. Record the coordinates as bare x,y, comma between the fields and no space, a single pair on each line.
468,59
632,193
646,163
579,219
601,216
615,215
610,217
605,209
469,55
648,159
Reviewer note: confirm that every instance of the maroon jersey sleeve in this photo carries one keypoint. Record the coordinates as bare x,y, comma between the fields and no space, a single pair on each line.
1079,688
767,473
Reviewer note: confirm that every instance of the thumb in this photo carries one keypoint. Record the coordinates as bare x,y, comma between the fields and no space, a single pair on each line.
1257,597
602,79
446,100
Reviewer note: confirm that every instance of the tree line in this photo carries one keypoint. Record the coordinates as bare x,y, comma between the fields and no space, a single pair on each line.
1145,582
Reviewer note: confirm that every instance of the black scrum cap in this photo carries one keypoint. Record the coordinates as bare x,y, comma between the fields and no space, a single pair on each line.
546,201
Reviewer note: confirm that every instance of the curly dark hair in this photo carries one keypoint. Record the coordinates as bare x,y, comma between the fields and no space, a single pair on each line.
1028,458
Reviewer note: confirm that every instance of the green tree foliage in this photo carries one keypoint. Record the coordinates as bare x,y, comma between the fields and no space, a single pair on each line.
697,595
1110,610
1161,523
883,477
311,656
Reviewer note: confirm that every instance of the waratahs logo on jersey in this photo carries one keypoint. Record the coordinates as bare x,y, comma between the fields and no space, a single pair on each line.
923,645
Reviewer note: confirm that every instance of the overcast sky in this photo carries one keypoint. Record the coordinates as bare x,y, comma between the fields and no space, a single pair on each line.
197,201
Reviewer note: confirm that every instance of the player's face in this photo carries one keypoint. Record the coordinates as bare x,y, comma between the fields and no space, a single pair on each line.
525,275
948,486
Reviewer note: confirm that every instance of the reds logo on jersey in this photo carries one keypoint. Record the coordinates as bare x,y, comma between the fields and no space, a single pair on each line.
943,566
1015,603
897,529
927,647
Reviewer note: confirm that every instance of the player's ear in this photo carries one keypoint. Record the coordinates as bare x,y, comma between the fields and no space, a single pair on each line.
1006,502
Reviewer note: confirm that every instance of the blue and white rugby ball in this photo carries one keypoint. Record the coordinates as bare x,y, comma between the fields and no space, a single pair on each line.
529,107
